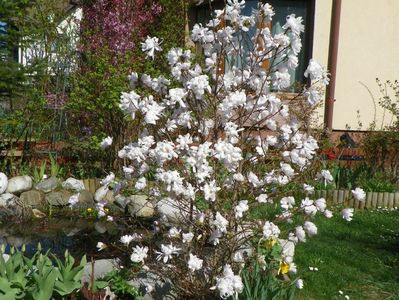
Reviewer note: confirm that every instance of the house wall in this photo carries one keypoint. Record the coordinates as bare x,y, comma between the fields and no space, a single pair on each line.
368,48
68,27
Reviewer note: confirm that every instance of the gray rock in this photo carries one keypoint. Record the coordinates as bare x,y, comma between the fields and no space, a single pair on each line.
3,182
17,241
112,228
121,201
7,199
71,232
86,199
163,289
100,227
100,193
169,208
16,210
33,198
17,185
99,269
139,206
73,184
109,197
59,198
47,185
3,202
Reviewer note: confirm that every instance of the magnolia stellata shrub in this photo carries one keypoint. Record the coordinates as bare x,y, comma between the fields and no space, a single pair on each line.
219,144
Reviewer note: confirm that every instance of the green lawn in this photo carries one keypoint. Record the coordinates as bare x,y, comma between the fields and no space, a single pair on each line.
360,258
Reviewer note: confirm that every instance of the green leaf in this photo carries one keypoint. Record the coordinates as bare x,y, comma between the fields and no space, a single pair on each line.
69,276
276,251
45,283
7,292
99,284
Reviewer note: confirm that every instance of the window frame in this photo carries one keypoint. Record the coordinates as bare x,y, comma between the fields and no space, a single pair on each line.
307,42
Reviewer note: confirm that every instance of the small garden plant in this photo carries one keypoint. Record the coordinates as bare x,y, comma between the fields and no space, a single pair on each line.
38,277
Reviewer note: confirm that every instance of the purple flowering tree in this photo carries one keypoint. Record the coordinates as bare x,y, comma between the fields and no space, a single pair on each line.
110,33
116,24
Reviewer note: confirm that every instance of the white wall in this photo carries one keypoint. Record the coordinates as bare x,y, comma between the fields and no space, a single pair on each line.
368,48
69,27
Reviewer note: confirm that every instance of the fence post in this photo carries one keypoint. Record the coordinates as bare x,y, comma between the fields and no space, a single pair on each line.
341,198
391,200
380,202
396,204
369,199
386,199
362,204
374,202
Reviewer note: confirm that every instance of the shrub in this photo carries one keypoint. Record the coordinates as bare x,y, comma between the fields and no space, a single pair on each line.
362,175
381,147
34,87
223,147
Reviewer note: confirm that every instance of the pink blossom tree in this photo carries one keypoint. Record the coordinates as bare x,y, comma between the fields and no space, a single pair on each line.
116,24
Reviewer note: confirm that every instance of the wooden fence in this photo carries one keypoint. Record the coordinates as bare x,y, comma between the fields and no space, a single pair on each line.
91,184
373,199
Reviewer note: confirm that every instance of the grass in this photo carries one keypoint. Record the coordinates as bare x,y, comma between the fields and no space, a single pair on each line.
359,258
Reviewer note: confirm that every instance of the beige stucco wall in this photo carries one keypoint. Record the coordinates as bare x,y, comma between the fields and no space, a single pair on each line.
368,48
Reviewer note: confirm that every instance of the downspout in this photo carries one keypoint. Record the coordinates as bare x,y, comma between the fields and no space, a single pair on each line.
332,63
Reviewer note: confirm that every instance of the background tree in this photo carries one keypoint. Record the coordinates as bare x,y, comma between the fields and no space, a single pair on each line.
111,33
38,53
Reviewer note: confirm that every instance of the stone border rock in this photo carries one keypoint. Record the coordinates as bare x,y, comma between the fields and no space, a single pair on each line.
20,191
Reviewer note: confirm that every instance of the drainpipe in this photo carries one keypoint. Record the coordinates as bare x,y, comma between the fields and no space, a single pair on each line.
332,63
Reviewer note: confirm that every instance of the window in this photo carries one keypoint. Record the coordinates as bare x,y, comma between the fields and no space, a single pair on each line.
283,8
5,52
3,43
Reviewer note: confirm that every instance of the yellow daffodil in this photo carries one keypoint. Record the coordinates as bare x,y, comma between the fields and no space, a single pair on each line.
284,268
